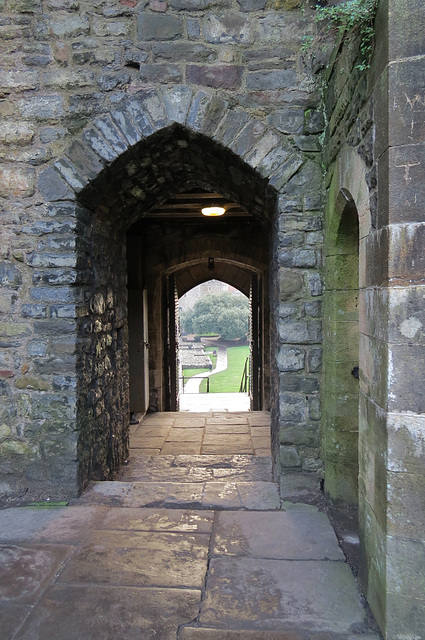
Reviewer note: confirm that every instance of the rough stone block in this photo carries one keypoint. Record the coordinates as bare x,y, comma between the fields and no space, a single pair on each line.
295,434
16,133
16,182
69,172
42,107
159,27
10,276
193,28
292,407
183,51
135,109
53,187
271,80
290,284
289,120
68,79
70,26
291,359
197,5
206,112
276,28
17,81
252,5
301,258
227,28
307,332
107,27
216,76
289,456
111,81
163,73
299,382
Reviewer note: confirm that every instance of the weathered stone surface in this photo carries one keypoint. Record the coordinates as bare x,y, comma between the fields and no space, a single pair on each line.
281,583
16,182
185,51
227,28
224,76
271,80
160,73
197,5
53,187
139,611
159,27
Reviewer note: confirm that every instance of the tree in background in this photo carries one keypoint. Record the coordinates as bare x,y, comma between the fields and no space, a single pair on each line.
224,313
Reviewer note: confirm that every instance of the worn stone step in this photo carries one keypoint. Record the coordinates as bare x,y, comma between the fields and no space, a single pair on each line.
204,633
257,495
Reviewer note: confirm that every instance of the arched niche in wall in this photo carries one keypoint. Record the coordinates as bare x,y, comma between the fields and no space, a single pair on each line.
340,395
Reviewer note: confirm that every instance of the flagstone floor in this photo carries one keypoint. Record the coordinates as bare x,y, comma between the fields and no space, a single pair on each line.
182,546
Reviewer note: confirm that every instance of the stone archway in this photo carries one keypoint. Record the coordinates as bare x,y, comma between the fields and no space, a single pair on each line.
124,163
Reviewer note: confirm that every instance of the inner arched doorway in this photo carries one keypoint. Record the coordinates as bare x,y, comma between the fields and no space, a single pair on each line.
139,242
168,254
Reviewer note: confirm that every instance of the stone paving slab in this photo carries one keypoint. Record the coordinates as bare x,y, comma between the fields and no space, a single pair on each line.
139,558
256,495
185,435
231,418
66,525
293,535
25,571
165,494
78,612
241,495
11,617
281,594
171,520
199,633
176,448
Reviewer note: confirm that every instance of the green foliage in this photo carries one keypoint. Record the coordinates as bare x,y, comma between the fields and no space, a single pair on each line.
348,16
223,313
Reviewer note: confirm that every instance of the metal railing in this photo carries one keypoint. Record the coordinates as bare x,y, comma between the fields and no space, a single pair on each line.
244,386
197,378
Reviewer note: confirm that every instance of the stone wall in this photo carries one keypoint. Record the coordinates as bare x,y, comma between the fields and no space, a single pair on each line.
106,109
374,155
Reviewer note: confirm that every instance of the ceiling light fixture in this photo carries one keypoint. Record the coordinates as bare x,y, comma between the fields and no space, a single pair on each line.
213,211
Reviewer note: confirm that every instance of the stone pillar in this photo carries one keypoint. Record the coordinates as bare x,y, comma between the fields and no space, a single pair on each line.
392,472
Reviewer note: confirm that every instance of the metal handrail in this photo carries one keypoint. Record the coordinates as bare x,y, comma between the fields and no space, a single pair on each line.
245,377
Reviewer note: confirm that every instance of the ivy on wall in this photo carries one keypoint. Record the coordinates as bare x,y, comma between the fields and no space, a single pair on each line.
344,17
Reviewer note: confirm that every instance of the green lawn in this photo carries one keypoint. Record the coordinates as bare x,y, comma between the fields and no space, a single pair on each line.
229,381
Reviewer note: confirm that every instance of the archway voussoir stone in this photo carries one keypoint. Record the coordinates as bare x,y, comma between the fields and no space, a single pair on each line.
206,112
177,101
153,105
84,159
111,133
99,145
249,136
230,126
71,174
271,140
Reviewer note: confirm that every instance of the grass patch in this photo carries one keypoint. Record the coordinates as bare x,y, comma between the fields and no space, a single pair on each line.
229,381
